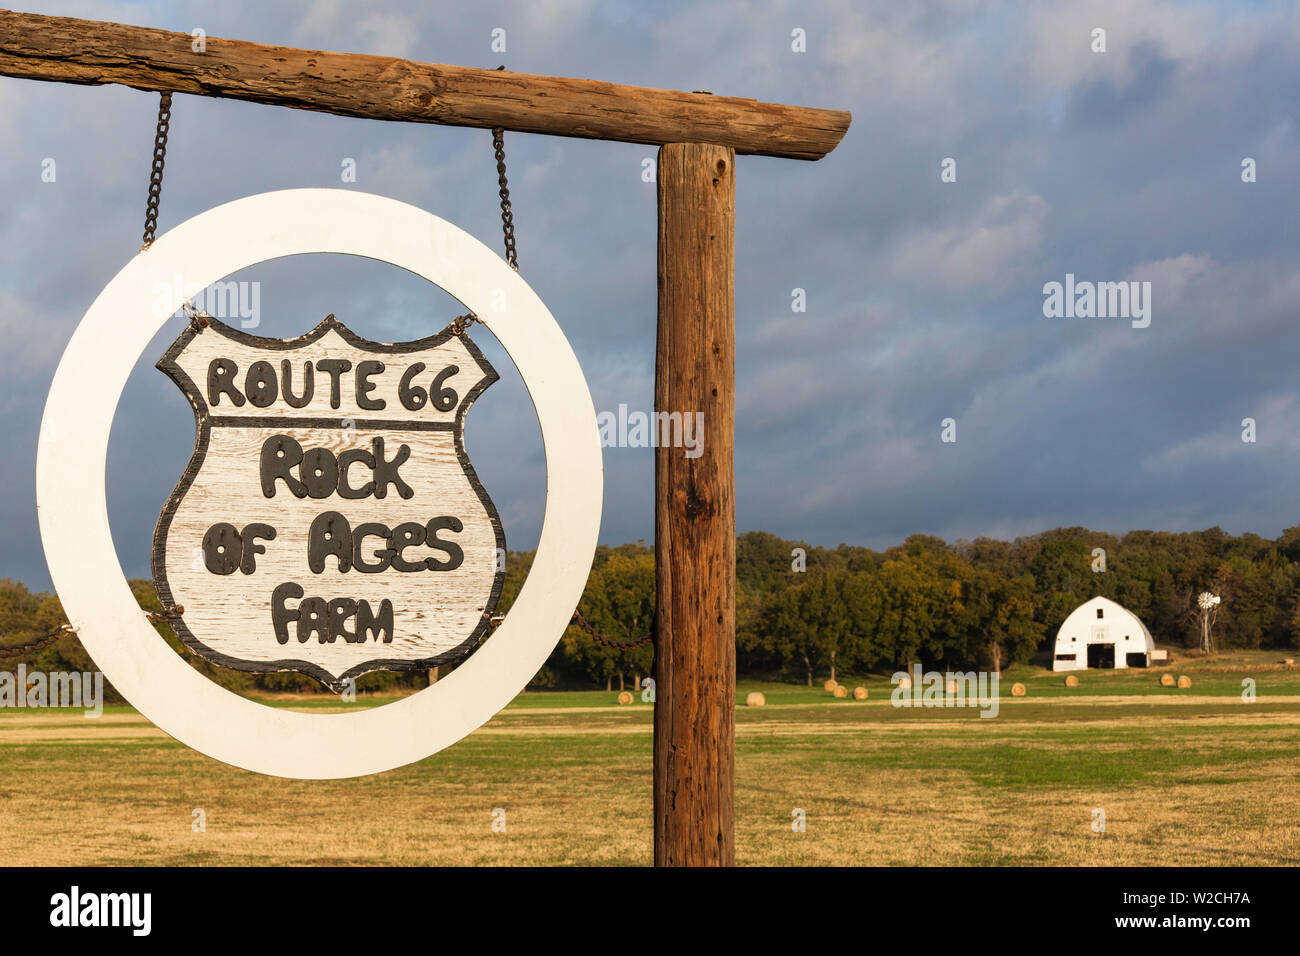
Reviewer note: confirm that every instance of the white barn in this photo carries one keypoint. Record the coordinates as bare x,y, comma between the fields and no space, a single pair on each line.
1101,633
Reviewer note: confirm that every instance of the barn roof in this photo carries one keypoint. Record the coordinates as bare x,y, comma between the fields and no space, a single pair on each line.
1108,605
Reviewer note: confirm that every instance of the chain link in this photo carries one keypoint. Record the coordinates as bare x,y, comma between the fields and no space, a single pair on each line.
37,643
156,171
599,638
462,322
162,617
166,617
45,640
199,318
507,217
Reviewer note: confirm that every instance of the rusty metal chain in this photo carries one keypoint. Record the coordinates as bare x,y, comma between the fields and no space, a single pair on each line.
162,617
462,322
199,318
507,217
37,643
45,640
156,171
599,638
165,617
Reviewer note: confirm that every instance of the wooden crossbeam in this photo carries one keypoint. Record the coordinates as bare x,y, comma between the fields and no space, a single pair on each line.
68,50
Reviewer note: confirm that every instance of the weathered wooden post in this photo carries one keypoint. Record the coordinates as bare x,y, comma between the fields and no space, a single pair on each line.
695,511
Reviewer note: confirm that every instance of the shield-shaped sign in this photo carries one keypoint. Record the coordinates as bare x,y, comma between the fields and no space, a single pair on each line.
329,521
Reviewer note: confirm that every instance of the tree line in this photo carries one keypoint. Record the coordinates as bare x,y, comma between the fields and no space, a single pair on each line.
805,612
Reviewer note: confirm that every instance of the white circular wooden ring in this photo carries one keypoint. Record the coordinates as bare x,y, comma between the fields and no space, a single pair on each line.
73,512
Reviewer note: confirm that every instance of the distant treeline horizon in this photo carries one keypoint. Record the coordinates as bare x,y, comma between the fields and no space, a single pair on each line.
807,613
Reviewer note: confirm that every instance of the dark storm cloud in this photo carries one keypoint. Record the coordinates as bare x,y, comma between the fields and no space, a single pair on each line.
924,299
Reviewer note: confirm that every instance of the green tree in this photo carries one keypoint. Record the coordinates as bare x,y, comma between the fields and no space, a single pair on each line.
619,602
820,623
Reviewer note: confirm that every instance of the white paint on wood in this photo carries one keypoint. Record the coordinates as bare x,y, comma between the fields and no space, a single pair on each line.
211,344
74,519
228,615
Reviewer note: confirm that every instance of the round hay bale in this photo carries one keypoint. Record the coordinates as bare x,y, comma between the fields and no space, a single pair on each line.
905,683
755,699
625,697
841,691
1184,682
1166,680
830,686
1071,681
1017,689
859,693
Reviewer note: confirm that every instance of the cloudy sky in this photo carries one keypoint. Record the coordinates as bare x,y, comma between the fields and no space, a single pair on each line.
924,297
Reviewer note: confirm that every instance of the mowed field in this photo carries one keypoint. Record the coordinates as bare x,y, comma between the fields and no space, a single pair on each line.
1196,776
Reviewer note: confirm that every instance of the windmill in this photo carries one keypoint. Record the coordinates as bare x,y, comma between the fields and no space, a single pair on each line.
1208,604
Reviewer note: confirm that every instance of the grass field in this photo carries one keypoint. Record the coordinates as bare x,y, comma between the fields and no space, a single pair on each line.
1195,776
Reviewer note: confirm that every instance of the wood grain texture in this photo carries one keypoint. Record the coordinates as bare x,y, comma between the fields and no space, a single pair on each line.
68,50
439,612
695,516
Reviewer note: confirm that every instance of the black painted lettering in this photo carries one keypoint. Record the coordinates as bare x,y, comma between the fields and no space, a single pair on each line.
260,385
346,460
406,535
251,534
412,399
444,397
334,368
221,381
279,454
368,625
365,386
386,471
308,384
320,472
330,534
314,618
455,556
341,610
222,548
281,616
370,529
